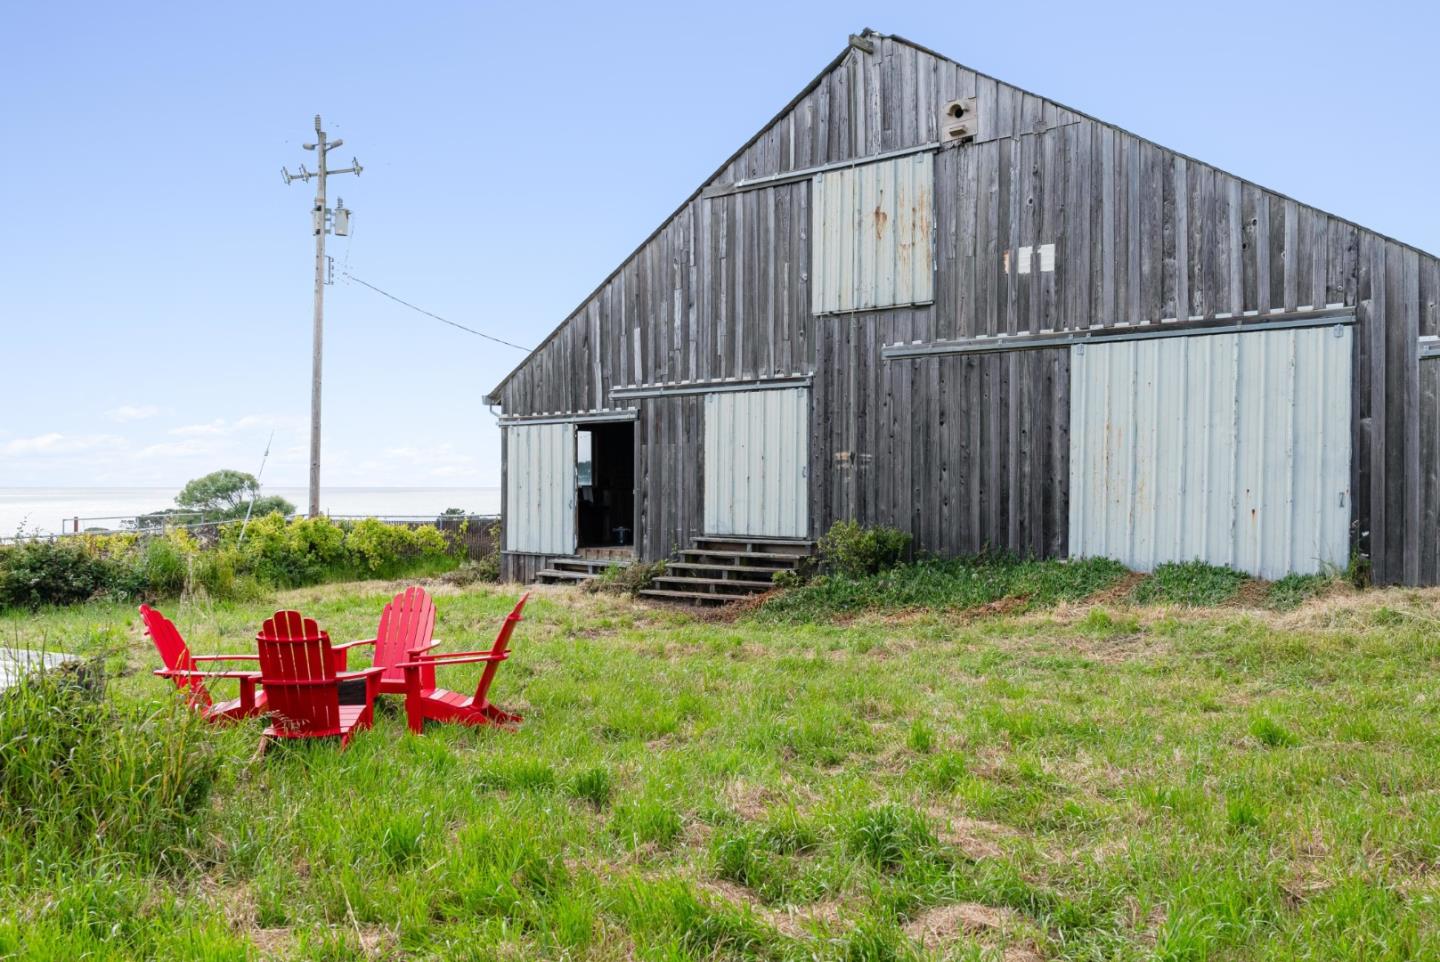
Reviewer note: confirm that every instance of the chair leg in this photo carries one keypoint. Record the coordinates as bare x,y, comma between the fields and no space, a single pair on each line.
495,715
414,702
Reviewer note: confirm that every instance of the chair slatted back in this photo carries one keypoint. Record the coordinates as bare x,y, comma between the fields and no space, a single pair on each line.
499,649
407,621
298,673
176,655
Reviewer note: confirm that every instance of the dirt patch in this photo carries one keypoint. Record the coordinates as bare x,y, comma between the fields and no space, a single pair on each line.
272,943
975,838
749,801
999,608
1117,594
1347,608
796,922
1116,649
741,606
1253,593
947,924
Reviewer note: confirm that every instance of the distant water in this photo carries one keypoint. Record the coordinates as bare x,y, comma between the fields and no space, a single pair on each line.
48,510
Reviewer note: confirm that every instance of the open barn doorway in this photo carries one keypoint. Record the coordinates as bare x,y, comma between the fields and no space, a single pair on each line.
605,483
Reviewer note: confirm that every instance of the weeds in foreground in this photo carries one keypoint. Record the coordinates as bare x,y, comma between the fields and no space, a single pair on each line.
82,776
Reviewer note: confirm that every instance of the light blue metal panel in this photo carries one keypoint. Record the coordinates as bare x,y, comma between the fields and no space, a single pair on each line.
871,235
540,489
757,446
1231,448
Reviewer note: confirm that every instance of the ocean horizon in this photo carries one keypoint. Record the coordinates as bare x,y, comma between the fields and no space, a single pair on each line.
49,510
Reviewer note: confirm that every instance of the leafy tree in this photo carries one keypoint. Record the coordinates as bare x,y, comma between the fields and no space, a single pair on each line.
227,494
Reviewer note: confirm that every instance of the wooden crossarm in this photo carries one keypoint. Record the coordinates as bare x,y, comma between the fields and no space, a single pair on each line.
224,657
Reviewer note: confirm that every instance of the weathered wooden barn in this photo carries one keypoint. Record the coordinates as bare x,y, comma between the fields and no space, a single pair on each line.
924,298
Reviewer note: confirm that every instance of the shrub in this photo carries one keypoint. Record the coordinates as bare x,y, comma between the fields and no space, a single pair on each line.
268,551
489,565
373,544
163,565
853,551
35,573
288,554
627,579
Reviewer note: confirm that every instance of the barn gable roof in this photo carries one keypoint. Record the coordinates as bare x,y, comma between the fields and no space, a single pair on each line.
837,62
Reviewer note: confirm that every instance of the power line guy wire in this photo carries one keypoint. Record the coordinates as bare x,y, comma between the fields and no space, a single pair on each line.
468,330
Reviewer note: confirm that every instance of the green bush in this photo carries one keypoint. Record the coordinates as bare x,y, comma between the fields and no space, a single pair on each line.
269,551
854,551
163,565
627,579
374,545
35,573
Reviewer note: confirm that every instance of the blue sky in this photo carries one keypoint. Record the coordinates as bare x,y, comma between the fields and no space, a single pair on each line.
155,273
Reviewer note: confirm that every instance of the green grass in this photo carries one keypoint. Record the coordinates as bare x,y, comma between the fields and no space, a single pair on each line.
950,583
1292,591
1080,784
1193,583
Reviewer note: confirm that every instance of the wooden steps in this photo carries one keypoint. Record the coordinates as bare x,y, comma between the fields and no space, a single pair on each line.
574,571
719,570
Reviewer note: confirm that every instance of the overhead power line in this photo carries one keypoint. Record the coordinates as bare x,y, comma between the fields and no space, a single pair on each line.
442,320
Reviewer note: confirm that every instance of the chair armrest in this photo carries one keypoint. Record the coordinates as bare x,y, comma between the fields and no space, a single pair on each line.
224,657
362,673
352,644
458,658
434,643
182,673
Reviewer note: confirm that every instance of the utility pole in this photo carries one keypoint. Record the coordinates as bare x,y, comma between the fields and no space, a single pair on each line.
323,218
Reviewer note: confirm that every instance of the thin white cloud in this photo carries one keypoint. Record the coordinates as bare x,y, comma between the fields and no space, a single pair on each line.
222,426
175,449
133,412
56,443
216,426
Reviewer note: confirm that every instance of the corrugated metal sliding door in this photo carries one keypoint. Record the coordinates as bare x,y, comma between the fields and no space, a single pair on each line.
1229,448
870,235
540,489
756,448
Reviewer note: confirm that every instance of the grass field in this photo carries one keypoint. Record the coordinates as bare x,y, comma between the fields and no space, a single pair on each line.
1020,773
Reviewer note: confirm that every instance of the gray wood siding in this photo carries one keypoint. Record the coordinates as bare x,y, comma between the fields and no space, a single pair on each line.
970,453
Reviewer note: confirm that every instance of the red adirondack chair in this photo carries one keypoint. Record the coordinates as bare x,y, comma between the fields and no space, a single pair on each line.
405,629
423,700
297,668
183,668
